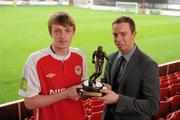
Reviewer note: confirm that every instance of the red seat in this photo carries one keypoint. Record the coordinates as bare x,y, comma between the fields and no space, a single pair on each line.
174,81
96,108
31,118
177,74
85,100
94,98
164,77
95,102
174,116
161,119
175,89
95,115
164,85
164,93
164,109
86,105
175,103
171,75
164,80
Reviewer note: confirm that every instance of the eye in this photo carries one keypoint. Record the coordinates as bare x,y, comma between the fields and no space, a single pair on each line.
124,34
68,30
115,35
55,31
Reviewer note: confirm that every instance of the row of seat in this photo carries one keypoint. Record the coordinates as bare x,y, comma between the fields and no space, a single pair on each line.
95,116
172,116
168,106
93,108
170,97
169,83
170,91
170,76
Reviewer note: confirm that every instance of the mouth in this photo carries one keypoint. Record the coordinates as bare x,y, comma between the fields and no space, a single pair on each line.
119,46
62,42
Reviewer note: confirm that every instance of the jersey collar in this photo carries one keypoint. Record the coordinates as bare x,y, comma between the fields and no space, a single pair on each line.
58,57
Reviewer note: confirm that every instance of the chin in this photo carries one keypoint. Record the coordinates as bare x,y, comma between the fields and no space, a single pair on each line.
120,48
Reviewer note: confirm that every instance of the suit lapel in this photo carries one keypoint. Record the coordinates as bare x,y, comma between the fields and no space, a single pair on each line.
129,68
113,68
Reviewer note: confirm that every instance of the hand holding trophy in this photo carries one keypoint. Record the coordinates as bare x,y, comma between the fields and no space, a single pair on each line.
92,86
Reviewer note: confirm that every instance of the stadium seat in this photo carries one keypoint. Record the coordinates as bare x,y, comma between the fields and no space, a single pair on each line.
85,100
171,75
164,80
164,85
164,93
94,98
164,77
95,115
95,102
161,119
31,118
164,109
86,105
175,89
177,74
174,116
175,103
174,80
96,108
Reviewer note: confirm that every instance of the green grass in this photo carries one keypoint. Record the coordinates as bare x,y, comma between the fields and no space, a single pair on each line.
23,30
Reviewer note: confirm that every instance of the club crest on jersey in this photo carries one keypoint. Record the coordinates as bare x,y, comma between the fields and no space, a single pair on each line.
50,75
78,70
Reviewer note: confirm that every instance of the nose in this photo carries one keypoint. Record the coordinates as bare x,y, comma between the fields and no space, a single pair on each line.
118,38
61,34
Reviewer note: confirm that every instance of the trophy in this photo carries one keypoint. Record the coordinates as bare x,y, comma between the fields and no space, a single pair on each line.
92,86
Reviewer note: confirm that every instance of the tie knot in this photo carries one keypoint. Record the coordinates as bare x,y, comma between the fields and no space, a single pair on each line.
121,59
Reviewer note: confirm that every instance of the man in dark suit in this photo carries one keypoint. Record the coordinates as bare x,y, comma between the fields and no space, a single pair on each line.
131,78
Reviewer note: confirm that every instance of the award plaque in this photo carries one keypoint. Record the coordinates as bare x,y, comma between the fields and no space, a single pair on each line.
92,86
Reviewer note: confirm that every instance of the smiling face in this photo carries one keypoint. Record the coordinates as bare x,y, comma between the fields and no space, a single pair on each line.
62,37
61,28
123,37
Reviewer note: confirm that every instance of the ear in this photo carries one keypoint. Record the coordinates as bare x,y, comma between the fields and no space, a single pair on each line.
50,33
74,33
134,33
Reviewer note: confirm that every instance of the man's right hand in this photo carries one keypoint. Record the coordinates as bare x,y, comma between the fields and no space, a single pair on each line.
110,96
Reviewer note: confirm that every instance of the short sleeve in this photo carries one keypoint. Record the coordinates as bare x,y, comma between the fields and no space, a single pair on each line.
29,84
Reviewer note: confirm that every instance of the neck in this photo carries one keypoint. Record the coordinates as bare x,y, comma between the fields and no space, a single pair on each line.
60,51
125,52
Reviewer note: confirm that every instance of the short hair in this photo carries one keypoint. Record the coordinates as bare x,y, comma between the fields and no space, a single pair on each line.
127,20
61,18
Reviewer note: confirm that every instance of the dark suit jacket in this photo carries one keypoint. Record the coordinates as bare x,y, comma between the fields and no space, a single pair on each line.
139,89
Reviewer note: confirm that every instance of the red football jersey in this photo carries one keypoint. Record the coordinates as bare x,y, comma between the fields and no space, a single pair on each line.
46,73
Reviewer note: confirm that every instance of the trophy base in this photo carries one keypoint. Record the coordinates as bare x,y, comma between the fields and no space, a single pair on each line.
87,91
84,93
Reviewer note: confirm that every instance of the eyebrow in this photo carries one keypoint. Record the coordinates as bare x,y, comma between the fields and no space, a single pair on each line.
120,32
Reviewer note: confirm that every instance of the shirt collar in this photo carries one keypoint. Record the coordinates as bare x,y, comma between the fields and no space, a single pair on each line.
128,55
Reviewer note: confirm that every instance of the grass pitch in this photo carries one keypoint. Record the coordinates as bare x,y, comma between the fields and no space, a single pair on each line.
23,30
